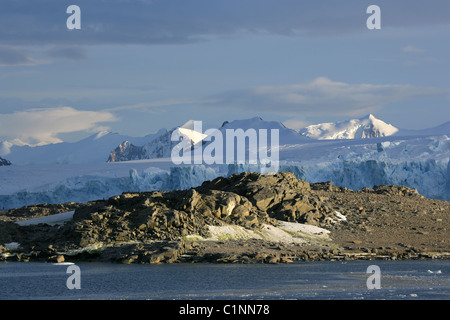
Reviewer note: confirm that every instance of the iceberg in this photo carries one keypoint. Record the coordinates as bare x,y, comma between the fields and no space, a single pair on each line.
430,177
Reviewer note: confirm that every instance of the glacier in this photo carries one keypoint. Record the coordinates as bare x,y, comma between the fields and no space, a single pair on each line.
83,188
431,178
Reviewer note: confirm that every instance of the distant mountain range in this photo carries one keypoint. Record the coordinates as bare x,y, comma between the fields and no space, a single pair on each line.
366,127
162,146
112,147
439,130
95,148
159,147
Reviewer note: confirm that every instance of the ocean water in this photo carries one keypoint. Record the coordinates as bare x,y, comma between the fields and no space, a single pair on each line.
325,280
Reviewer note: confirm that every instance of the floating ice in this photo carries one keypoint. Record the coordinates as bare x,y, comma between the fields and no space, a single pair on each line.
12,245
54,219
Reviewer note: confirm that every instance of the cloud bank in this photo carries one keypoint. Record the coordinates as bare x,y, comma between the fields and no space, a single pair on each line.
12,56
323,96
67,52
42,126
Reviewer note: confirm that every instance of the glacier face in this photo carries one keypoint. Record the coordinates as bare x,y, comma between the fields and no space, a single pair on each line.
416,162
429,177
90,187
176,178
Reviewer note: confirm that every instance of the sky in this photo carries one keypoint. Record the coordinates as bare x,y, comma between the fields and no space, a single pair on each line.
135,67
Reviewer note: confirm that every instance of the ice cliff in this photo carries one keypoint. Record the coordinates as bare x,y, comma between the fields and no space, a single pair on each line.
430,177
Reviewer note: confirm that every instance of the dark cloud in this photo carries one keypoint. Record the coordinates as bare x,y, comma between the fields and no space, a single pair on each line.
11,56
184,21
67,52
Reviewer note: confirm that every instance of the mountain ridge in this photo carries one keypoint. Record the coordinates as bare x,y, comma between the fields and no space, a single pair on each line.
443,129
162,146
106,146
94,148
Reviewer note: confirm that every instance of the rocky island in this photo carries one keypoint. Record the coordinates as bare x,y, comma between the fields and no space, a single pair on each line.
243,218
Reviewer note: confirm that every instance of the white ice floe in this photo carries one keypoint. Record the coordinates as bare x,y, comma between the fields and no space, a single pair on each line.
304,229
437,272
54,219
12,245
338,217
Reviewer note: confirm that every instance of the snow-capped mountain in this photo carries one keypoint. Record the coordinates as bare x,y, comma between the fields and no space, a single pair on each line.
367,127
251,140
161,146
126,151
286,135
92,149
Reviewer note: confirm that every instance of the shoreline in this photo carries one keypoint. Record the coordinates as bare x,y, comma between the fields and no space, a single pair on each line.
197,250
217,252
246,218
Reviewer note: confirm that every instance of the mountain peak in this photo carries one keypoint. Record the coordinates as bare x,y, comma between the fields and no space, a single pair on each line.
366,127
188,125
100,134
370,117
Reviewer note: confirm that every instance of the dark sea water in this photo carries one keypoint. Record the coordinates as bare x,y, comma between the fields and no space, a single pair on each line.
421,280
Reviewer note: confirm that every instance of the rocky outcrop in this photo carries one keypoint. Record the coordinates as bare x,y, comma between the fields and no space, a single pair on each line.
155,227
371,131
126,151
281,196
4,162
396,190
